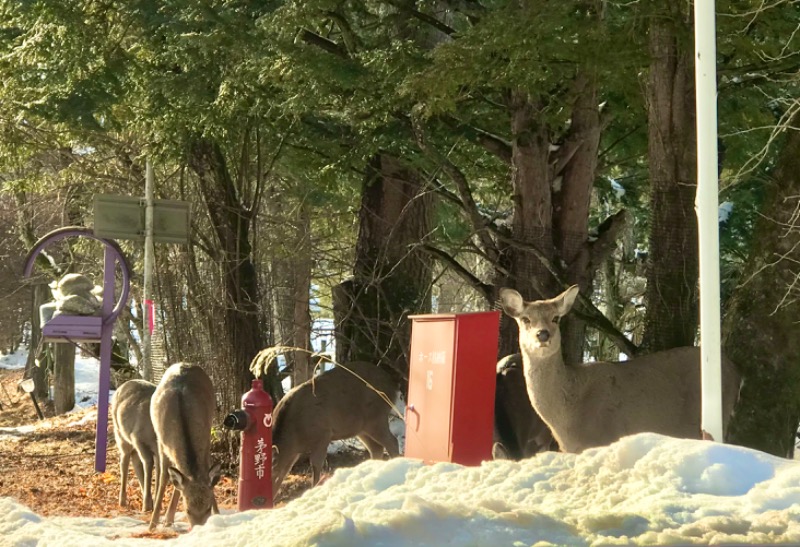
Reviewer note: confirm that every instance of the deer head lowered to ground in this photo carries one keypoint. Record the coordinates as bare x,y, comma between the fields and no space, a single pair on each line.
133,430
182,410
595,404
351,400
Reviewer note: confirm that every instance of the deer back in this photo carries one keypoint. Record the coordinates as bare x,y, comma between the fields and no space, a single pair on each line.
339,403
131,414
135,438
660,392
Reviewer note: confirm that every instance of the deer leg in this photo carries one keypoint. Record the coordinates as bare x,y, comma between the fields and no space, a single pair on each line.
500,452
156,469
162,486
146,479
383,435
282,464
169,517
374,447
124,462
138,470
317,457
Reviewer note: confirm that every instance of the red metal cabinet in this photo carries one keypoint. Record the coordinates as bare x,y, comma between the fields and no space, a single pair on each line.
451,385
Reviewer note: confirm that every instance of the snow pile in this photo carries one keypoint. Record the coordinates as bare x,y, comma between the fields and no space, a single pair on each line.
644,489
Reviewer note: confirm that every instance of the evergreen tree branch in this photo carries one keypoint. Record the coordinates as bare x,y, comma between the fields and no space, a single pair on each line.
493,144
405,7
351,40
330,46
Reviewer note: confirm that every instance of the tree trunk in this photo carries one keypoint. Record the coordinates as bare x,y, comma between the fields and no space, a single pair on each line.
64,378
761,332
390,277
291,276
552,193
572,193
531,229
242,329
301,334
343,296
282,278
40,295
671,296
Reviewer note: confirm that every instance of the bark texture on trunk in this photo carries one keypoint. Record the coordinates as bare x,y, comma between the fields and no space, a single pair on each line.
391,278
243,329
760,328
531,229
552,191
64,378
41,295
575,173
671,296
291,278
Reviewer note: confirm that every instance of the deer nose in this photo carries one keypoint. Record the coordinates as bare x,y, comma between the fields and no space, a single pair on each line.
543,335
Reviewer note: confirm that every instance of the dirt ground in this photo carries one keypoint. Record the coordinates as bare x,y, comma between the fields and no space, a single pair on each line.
51,468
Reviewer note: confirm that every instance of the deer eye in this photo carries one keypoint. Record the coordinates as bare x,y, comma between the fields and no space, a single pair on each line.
556,319
525,321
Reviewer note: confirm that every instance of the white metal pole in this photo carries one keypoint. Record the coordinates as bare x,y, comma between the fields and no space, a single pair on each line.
147,296
707,205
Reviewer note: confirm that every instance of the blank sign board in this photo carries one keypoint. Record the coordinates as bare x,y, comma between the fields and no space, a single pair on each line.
122,217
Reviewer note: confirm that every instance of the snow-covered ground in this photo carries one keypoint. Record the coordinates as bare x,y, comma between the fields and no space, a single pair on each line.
13,360
86,372
86,382
643,490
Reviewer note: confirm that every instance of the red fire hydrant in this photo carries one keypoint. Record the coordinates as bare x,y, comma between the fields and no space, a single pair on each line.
254,420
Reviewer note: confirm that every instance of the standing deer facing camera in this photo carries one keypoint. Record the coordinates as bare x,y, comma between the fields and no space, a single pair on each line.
182,410
135,436
595,404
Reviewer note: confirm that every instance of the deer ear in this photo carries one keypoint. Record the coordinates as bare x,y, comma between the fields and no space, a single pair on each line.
214,474
566,299
511,302
176,477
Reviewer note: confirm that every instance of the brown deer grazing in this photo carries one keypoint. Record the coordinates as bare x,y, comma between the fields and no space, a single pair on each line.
182,410
595,404
519,431
133,430
352,400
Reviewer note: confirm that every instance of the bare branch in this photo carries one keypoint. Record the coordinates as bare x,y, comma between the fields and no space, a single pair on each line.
607,234
477,220
461,271
350,38
588,311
